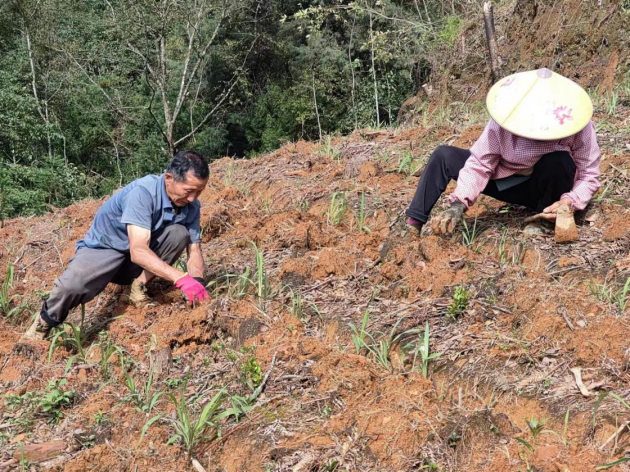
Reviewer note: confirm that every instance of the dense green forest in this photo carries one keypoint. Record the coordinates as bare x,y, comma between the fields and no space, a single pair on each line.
96,93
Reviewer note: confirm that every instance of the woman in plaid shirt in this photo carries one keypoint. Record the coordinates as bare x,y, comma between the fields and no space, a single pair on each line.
539,150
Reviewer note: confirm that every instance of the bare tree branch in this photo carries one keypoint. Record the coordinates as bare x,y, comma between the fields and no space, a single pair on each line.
42,113
193,73
150,108
226,94
117,106
191,40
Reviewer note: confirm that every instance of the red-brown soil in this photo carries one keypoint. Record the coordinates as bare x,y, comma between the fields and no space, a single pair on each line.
532,317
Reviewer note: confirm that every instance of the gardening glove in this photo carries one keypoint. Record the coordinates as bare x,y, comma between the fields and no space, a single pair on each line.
445,222
201,280
192,289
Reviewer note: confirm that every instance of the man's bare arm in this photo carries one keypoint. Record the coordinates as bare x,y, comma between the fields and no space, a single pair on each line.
141,254
195,264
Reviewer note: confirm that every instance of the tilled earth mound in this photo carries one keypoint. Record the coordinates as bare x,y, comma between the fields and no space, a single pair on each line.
329,326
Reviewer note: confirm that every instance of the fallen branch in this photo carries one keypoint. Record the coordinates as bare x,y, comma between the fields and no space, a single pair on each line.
615,435
265,378
198,467
564,315
577,373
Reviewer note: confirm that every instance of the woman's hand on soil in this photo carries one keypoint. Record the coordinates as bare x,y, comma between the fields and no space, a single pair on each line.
445,222
551,211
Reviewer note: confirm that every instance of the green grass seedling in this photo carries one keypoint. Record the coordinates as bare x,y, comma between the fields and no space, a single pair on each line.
359,335
460,301
610,465
329,151
361,216
406,164
365,341
140,395
469,233
611,103
7,301
337,209
190,430
422,348
262,282
609,294
297,305
598,404
107,350
73,340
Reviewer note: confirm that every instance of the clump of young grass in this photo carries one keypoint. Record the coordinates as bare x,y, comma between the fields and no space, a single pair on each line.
379,349
190,429
329,151
8,304
469,233
609,293
611,102
406,164
337,209
73,340
598,404
509,257
297,305
458,305
107,350
141,395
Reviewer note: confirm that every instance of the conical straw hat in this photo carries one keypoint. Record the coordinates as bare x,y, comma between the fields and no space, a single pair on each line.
539,104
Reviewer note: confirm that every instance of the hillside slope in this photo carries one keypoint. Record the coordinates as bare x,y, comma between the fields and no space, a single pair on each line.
536,310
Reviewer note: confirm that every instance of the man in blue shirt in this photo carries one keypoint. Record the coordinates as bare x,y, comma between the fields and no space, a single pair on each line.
136,235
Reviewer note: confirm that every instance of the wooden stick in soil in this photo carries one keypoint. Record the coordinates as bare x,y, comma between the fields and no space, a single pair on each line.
491,41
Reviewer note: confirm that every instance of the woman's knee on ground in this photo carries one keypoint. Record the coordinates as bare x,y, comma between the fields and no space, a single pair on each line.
440,156
557,164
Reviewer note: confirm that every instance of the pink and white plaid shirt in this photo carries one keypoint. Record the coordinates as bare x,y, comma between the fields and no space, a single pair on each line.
498,154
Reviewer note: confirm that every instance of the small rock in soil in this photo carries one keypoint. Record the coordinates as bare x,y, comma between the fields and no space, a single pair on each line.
566,231
40,452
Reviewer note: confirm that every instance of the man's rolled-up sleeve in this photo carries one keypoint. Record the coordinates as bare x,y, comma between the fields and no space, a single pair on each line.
138,208
476,173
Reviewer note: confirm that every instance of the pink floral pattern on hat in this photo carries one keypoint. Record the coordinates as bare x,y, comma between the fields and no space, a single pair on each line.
562,114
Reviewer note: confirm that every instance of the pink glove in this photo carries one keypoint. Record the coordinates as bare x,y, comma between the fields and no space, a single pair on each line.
193,290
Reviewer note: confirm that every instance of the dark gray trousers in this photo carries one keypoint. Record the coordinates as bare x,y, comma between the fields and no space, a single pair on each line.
90,270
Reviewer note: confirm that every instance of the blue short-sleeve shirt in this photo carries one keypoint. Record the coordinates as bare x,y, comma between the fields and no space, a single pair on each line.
142,203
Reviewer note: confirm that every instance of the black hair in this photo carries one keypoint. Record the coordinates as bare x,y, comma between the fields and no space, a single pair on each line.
188,161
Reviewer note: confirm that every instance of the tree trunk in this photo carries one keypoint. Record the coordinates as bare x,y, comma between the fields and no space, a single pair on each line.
44,115
378,116
319,125
494,61
354,105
